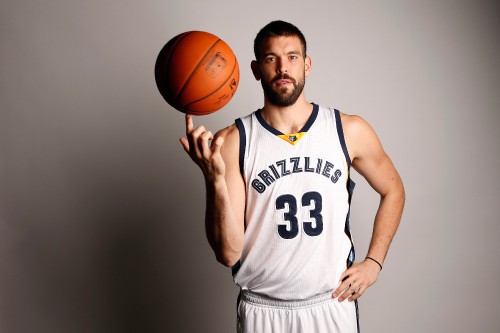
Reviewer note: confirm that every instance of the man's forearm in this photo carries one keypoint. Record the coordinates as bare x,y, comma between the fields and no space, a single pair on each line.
224,232
386,223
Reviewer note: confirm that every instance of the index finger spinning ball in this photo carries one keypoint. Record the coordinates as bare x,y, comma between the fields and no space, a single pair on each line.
197,73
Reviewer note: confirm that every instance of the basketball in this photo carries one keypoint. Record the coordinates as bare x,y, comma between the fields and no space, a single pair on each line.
196,72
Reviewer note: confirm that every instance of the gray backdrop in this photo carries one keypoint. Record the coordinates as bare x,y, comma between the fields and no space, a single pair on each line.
101,211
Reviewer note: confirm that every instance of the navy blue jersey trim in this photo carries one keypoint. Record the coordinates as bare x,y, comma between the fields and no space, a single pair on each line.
273,130
340,132
357,314
238,300
311,119
265,124
243,143
347,228
236,268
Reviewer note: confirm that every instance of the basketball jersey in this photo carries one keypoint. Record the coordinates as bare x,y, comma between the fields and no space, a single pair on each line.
297,238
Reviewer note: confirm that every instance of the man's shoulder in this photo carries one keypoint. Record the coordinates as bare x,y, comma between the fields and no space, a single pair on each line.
358,133
352,122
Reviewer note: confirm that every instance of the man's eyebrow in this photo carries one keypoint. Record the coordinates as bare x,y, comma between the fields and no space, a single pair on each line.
288,53
268,54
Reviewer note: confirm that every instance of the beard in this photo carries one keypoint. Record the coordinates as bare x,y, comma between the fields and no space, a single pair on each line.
282,96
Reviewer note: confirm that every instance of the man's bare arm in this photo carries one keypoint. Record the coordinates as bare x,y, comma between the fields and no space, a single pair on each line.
371,161
225,196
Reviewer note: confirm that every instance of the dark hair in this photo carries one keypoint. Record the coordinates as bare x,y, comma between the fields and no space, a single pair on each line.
277,28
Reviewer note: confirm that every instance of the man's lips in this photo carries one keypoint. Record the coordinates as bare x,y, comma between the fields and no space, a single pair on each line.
283,82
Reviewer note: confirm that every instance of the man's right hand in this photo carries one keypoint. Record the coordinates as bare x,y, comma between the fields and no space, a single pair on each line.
204,150
224,221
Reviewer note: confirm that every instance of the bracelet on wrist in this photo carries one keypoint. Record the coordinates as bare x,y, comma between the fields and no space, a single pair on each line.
375,261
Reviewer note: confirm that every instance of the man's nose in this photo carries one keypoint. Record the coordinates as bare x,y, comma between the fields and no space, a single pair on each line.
281,66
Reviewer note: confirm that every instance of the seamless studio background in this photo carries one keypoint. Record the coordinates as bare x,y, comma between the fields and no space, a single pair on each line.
101,211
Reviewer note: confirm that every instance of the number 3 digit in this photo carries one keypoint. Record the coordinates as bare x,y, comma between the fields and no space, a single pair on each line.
288,216
314,213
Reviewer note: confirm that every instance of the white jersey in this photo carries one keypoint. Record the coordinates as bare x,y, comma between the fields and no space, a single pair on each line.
297,238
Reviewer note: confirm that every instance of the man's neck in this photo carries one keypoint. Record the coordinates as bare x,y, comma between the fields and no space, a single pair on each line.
290,119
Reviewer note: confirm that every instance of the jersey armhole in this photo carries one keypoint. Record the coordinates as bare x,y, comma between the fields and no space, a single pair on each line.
340,133
243,142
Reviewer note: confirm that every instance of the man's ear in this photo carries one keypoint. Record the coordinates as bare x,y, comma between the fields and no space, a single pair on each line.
254,65
308,65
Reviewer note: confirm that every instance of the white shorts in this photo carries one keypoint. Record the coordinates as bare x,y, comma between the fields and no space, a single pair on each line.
261,314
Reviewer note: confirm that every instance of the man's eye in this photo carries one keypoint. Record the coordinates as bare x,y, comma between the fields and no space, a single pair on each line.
270,59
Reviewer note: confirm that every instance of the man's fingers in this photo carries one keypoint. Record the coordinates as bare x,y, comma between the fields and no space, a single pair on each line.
355,280
358,293
185,144
198,142
346,274
342,287
194,141
217,144
189,124
198,131
344,282
203,143
350,289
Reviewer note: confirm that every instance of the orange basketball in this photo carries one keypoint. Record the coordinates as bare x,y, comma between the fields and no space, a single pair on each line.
197,73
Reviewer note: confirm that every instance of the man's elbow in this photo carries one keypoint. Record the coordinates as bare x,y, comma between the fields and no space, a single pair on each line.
401,193
228,259
396,194
397,190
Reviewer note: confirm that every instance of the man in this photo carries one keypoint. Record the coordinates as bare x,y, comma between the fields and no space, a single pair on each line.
278,197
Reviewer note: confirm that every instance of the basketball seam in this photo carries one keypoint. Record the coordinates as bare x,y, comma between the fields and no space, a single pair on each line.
176,44
213,92
171,51
193,72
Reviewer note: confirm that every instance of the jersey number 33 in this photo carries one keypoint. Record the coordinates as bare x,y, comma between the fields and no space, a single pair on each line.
288,203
